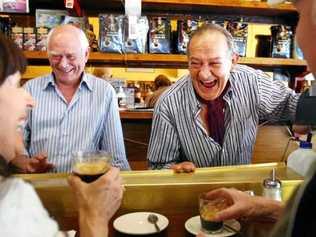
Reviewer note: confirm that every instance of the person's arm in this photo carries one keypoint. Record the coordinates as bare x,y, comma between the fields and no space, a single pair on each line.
164,145
97,202
36,164
22,163
277,102
112,136
242,205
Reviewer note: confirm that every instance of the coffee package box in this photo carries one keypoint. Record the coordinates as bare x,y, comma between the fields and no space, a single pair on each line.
111,33
41,39
135,34
80,22
17,36
281,41
185,28
159,35
239,31
29,39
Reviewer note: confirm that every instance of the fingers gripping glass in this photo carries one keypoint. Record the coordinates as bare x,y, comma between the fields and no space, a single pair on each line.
208,210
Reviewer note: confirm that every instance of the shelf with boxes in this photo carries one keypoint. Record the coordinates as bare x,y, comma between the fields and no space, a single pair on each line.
176,10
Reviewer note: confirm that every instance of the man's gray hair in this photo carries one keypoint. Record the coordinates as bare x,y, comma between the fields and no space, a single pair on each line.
211,28
82,37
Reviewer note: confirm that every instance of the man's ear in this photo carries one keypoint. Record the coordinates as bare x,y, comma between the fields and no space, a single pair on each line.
87,53
235,59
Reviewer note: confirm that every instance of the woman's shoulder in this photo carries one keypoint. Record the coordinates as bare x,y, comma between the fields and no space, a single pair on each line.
13,186
22,210
18,194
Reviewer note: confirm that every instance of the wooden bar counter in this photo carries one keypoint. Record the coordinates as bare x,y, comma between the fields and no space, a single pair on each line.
173,195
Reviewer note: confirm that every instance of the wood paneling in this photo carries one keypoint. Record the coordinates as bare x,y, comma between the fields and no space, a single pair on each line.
271,144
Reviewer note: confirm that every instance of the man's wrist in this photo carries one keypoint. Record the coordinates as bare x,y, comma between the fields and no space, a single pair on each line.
92,225
271,209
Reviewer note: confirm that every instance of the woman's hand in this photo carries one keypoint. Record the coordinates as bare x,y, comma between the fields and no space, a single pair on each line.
97,201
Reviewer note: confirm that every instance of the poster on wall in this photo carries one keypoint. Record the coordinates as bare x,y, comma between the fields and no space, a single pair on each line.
14,6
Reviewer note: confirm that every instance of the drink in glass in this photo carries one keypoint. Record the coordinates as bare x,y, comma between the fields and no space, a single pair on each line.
208,210
89,166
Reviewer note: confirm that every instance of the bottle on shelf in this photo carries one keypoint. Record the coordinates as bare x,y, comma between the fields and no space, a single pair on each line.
301,159
121,98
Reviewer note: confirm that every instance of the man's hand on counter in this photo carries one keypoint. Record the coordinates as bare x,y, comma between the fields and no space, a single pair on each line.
35,164
183,167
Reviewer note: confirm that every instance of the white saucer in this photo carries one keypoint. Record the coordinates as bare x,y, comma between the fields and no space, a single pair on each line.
193,226
136,223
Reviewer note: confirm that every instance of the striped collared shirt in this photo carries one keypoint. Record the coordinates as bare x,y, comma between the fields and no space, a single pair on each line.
89,122
178,134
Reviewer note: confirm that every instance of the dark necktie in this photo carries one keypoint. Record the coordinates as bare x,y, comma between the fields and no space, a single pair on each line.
215,119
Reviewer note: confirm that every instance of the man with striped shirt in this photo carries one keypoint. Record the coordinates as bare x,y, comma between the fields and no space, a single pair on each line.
297,218
75,110
210,117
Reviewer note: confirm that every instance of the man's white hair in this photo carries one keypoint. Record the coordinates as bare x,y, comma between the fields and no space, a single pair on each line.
82,37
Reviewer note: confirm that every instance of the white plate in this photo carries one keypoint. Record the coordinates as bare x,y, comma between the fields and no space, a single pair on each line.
193,225
136,223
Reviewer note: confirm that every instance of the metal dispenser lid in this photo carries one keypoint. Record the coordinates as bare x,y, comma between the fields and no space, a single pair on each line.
272,181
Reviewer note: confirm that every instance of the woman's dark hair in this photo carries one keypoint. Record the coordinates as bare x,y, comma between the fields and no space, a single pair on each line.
4,168
161,81
12,59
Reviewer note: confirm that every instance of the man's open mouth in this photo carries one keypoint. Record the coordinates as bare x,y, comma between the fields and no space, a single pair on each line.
209,84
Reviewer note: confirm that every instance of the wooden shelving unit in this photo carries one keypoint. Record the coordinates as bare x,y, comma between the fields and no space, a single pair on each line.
229,6
162,60
177,7
232,4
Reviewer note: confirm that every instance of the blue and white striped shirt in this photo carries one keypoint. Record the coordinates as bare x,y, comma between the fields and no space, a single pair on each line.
178,134
89,122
